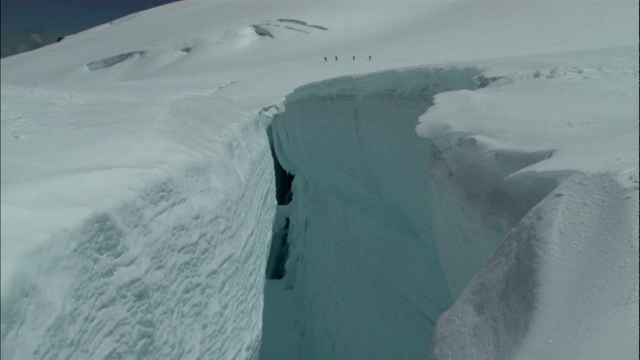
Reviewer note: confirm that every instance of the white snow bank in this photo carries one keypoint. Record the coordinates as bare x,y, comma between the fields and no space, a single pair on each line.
156,276
67,154
563,284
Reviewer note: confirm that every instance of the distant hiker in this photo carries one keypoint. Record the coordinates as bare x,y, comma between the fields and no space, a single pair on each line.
369,57
325,59
354,58
336,58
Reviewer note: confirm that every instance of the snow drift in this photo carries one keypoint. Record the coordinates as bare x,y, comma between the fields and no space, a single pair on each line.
128,282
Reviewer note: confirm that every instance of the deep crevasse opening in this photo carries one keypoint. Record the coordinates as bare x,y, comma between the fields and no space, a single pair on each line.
279,249
385,228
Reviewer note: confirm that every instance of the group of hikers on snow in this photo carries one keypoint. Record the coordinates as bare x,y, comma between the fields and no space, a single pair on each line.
354,58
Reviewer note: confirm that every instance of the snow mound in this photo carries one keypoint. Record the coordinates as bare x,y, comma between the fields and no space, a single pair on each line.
260,30
555,270
111,61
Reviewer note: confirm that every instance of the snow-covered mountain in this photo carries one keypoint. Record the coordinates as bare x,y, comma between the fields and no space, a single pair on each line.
326,180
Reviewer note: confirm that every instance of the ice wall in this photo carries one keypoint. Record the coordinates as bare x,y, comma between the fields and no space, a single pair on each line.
386,231
174,273
367,227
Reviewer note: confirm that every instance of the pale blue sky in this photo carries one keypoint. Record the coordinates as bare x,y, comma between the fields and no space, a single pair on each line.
28,24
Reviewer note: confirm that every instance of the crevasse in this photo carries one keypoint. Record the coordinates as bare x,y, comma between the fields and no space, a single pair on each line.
385,228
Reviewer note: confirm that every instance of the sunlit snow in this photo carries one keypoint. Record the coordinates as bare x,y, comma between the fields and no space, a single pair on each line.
325,180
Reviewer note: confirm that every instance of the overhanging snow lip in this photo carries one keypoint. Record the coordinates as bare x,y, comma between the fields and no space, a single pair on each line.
411,80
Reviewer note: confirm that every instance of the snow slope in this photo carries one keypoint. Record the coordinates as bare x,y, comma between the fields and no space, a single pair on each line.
138,193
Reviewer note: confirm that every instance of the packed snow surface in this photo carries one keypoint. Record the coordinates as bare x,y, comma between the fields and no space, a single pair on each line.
312,180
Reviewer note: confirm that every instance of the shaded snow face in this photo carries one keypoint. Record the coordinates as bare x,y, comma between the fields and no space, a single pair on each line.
385,227
555,281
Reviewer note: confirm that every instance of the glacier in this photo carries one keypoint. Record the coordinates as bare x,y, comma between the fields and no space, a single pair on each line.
176,184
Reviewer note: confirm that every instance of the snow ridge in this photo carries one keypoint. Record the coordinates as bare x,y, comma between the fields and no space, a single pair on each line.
157,277
387,230
553,270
